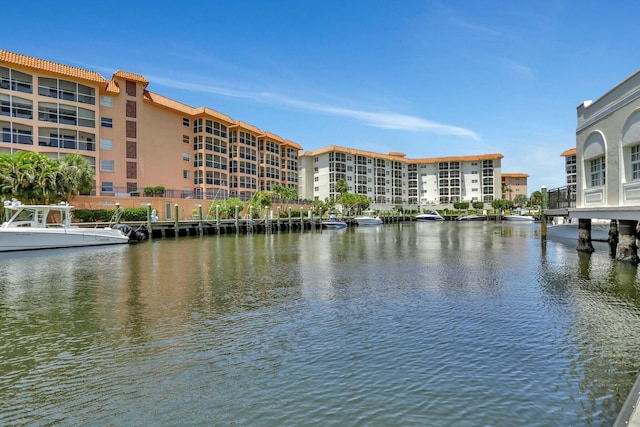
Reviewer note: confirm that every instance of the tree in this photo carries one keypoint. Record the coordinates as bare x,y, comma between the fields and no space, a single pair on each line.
536,198
520,200
461,205
75,175
260,201
341,186
477,204
29,177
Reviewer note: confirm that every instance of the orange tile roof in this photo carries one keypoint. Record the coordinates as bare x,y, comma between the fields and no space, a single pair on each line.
112,87
394,156
130,76
247,126
25,61
515,175
569,152
165,102
272,137
213,113
292,144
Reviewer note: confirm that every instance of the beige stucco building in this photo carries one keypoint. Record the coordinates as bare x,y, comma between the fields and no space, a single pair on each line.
135,138
513,185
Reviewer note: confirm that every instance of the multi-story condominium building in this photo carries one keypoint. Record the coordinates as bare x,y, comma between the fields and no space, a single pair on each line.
135,138
392,179
514,184
570,169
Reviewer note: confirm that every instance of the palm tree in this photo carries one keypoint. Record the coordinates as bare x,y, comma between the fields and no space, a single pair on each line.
75,175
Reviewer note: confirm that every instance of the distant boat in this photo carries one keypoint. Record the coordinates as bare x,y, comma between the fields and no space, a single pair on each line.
429,216
368,219
472,218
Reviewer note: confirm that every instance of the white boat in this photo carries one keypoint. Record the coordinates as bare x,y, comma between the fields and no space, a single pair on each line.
528,218
49,226
429,216
368,219
563,229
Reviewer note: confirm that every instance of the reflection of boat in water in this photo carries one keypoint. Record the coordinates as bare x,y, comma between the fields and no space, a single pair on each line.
562,229
528,218
368,219
35,227
429,216
472,218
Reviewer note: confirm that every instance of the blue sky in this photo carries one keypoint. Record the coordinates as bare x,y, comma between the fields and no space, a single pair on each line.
427,78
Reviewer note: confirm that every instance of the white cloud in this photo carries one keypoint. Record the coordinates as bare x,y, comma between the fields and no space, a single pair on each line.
384,120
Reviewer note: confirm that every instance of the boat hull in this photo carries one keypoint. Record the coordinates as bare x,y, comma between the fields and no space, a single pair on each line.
473,218
522,218
17,239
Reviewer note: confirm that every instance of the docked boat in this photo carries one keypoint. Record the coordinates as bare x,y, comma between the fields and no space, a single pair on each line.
563,229
334,224
429,216
32,227
472,218
368,219
516,217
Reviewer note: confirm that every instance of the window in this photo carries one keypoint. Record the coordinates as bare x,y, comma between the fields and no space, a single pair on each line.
186,157
106,144
130,88
106,122
185,122
186,174
106,187
106,165
597,172
106,101
635,162
15,80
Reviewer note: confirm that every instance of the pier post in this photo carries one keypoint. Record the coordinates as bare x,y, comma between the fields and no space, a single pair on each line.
613,238
200,219
584,235
627,249
149,230
290,219
278,217
176,211
543,217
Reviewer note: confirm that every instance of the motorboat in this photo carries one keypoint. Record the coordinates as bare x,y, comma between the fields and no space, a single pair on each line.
429,216
32,227
518,217
333,223
367,218
568,229
472,218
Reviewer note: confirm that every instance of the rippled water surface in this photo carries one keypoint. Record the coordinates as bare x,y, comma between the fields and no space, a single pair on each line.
404,324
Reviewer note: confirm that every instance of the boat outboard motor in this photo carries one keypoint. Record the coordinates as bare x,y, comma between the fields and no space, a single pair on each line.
130,232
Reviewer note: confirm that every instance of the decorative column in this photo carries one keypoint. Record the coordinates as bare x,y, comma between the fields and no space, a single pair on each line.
627,249
584,235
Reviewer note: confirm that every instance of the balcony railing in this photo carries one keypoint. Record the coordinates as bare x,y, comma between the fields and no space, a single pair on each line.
561,198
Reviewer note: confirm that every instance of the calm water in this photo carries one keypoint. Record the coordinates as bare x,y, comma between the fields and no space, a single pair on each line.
464,324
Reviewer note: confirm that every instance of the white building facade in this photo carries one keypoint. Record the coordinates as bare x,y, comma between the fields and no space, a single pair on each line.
608,154
391,179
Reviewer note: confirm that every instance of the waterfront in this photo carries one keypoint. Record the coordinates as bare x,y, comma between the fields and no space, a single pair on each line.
438,324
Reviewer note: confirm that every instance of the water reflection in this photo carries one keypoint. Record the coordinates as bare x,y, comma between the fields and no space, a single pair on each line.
404,324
